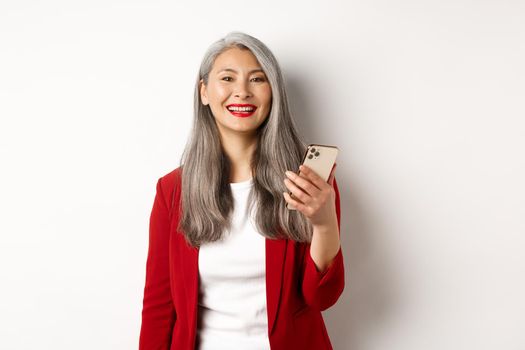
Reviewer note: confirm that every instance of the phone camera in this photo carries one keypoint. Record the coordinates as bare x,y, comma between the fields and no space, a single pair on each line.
315,153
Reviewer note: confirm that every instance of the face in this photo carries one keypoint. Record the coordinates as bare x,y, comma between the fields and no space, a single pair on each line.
238,92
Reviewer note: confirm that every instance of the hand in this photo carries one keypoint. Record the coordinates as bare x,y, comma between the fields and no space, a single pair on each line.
317,197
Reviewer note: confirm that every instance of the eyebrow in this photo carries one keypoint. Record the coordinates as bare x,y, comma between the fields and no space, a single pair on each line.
234,71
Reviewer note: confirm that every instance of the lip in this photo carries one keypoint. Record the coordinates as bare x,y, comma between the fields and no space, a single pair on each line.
242,114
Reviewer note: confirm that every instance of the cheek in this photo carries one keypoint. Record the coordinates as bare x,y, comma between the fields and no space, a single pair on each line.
219,94
267,96
269,103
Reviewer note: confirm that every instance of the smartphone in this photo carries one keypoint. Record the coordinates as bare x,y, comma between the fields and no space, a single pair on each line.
319,158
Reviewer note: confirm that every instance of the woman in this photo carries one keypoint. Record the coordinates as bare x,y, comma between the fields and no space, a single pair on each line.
229,266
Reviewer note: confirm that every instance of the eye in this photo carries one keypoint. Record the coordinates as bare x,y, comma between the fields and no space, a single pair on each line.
226,77
260,79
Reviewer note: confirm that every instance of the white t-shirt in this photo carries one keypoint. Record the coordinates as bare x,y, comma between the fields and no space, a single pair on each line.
232,284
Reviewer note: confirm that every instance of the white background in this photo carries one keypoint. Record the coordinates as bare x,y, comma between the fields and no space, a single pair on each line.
423,98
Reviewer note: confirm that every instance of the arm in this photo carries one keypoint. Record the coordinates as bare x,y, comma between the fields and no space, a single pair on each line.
158,312
323,288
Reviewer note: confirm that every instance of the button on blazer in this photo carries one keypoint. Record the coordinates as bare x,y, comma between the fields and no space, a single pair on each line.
296,291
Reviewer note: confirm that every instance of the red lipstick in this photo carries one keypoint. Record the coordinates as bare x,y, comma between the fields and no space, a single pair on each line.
241,110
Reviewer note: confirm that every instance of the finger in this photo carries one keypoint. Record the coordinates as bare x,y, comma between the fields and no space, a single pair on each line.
298,205
319,182
303,183
297,192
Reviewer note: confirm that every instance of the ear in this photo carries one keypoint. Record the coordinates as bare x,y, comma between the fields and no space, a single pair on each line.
204,95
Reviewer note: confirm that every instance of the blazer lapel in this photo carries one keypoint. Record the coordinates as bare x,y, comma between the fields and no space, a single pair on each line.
275,250
190,271
275,258
275,255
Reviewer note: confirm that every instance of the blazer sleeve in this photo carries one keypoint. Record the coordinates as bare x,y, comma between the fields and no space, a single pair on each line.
158,312
322,289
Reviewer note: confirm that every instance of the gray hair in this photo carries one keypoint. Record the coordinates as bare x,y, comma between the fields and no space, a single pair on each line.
207,200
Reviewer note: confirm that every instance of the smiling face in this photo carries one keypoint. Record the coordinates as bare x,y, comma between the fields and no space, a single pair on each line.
238,92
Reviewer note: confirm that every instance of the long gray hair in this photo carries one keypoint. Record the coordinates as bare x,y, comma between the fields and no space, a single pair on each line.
207,200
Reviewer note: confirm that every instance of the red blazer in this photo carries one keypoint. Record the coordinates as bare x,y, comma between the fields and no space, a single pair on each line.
296,292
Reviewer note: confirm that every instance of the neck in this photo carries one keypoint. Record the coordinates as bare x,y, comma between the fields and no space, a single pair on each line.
239,149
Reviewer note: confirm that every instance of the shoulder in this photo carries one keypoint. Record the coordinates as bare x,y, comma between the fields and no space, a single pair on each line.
170,179
167,183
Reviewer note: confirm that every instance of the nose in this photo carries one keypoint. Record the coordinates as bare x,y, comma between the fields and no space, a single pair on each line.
242,90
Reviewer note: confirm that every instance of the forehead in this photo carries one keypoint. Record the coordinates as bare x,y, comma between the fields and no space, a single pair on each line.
236,60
